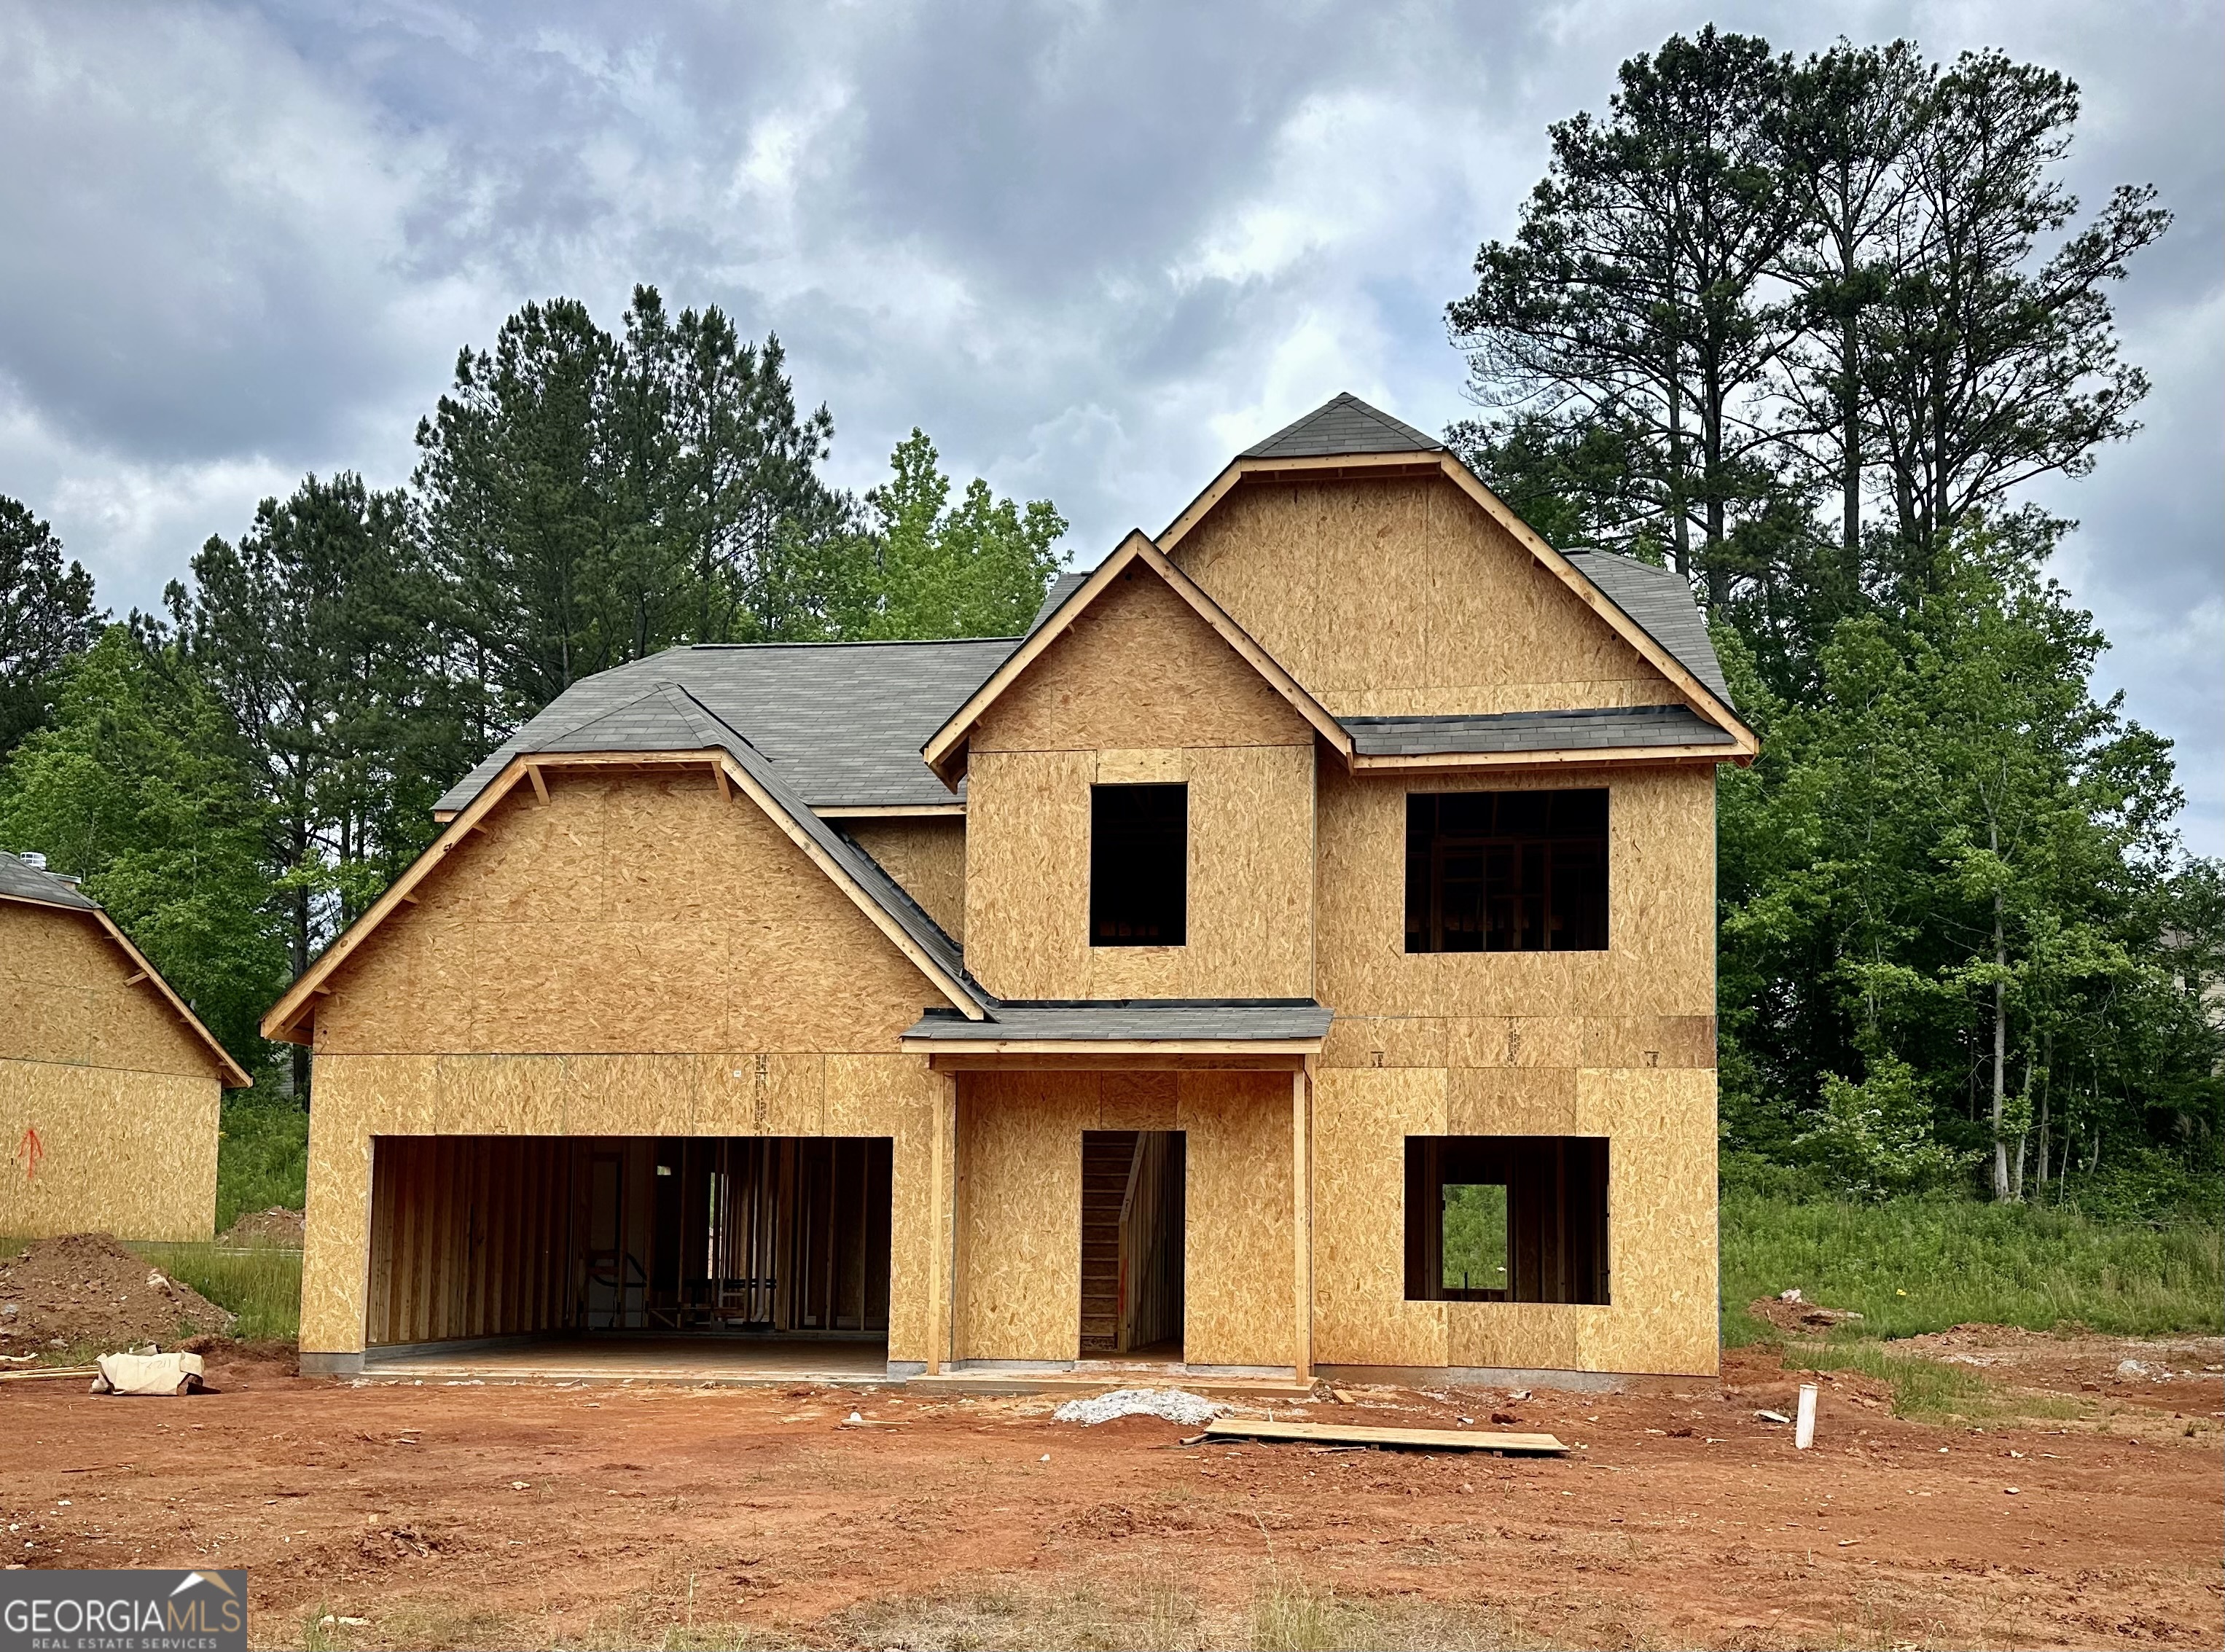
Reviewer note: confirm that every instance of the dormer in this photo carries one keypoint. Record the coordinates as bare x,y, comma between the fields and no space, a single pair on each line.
1139,801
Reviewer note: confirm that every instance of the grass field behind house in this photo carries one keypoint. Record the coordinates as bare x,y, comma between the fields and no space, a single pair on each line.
1913,1265
262,1284
261,1156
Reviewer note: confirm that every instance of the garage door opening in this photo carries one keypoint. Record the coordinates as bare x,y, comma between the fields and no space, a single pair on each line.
627,1248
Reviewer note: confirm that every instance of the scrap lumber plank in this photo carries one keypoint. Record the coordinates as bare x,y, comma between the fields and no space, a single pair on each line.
1461,1439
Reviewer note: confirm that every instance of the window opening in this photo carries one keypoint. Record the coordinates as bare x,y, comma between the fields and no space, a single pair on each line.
1507,871
1507,1219
1138,866
1474,1227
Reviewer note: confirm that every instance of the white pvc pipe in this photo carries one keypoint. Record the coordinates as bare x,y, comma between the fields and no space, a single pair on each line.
1803,1426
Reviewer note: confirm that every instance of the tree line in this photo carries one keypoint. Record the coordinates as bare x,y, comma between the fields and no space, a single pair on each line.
1805,330
240,772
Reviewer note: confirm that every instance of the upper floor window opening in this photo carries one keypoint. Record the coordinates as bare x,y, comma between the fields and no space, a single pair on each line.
1138,866
1507,871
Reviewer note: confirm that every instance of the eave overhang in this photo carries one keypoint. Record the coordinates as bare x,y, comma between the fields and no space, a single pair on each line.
1263,1034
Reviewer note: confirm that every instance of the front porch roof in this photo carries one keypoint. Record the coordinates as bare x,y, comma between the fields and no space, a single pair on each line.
1236,1027
1588,734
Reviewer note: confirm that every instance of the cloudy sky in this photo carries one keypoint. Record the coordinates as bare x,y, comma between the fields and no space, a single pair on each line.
1092,249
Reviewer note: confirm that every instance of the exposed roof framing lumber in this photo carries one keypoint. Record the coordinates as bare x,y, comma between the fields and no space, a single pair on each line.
946,749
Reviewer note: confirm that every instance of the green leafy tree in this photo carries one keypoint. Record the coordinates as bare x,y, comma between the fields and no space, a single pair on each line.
1946,860
979,568
45,616
140,786
1876,1138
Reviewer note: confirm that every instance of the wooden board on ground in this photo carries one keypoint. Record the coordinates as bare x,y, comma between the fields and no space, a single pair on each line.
1337,1434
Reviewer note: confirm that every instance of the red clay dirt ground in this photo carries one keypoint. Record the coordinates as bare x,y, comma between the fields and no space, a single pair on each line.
436,1515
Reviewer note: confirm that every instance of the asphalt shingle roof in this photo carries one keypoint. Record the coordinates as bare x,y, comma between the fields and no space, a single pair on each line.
1661,603
21,881
1248,1020
1343,424
843,722
1592,730
1054,599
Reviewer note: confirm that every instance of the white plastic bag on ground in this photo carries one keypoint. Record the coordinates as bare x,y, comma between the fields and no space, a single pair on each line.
148,1374
1170,1404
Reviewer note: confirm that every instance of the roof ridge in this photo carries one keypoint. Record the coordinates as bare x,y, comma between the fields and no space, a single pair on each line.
827,642
1292,439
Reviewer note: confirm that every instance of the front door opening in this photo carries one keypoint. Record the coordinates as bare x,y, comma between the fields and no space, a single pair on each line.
1131,1243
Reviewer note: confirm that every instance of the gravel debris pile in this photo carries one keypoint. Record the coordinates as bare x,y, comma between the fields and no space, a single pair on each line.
1170,1404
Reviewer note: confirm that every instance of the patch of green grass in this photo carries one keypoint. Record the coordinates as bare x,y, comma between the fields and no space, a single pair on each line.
262,1284
261,1156
1921,1388
1930,1388
1913,1265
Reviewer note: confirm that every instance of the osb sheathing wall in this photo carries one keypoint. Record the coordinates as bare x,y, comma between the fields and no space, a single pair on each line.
1661,1217
122,1098
1402,597
637,957
1618,1043
1141,689
1018,1274
926,855
477,1236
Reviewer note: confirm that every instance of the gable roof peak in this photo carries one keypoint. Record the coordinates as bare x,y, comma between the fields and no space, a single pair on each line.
946,749
1343,424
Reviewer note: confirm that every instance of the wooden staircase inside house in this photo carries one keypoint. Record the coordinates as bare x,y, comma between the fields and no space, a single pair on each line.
1108,1157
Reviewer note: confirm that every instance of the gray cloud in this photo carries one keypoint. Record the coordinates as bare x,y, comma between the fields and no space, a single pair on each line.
1092,250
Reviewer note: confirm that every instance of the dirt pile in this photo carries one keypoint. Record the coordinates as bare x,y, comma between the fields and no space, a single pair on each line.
1797,1318
85,1293
277,1227
2172,1372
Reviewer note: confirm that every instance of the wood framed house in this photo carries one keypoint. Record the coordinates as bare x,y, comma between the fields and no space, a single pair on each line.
1296,953
111,1089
